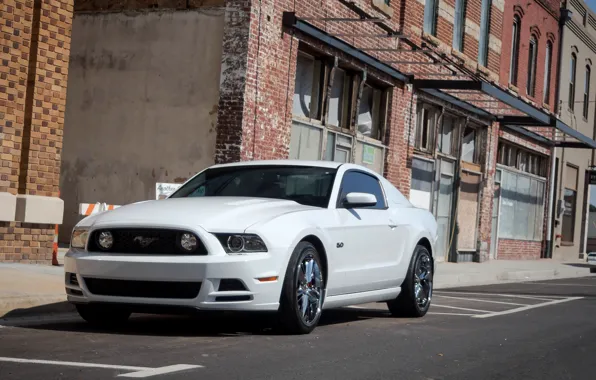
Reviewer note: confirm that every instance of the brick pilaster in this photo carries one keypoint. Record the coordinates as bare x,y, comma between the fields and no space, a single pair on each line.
35,54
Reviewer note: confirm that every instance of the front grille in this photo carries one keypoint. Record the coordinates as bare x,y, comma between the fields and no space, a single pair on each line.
145,241
145,289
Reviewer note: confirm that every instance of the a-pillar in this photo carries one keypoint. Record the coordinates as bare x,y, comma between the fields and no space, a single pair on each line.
35,46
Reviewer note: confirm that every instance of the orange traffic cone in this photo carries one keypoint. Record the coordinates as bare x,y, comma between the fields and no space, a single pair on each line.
55,248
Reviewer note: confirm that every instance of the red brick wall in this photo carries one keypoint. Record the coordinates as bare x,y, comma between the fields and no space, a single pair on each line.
541,19
519,249
33,77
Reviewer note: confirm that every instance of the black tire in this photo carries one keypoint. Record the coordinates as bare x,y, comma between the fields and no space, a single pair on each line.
406,304
592,270
103,316
290,317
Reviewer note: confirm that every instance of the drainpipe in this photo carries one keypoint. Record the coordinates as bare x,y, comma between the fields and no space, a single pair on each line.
564,16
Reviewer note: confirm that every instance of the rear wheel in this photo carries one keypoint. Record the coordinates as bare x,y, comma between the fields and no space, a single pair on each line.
303,290
99,315
416,291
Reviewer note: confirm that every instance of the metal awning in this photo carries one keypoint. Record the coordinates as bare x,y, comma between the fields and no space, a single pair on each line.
450,80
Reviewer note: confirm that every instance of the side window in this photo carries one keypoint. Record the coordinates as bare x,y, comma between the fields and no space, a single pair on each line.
358,182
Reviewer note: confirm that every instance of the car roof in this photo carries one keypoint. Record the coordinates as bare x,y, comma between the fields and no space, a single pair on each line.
318,164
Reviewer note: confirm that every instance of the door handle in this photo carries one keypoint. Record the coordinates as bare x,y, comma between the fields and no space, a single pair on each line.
392,224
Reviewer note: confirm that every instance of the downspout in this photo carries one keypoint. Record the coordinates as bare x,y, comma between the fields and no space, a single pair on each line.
564,15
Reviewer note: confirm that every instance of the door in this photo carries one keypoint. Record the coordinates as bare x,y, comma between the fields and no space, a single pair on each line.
364,239
443,205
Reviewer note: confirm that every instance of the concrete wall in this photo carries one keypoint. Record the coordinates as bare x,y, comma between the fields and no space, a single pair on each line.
141,105
579,39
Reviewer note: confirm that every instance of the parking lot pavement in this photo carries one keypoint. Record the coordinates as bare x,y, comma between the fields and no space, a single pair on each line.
541,330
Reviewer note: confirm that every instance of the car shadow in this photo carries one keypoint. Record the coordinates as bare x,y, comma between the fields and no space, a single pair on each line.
199,324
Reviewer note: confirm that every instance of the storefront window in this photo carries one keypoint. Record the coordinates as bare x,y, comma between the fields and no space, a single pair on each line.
337,136
522,206
522,159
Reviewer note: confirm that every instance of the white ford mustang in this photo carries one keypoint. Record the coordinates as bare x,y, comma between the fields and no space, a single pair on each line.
293,237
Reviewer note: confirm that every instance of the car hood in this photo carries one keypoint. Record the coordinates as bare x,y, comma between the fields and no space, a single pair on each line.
214,214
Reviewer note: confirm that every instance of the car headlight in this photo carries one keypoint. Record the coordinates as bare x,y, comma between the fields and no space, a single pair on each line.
241,243
79,238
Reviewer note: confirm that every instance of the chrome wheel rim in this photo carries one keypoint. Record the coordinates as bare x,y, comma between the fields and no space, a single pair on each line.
309,289
423,281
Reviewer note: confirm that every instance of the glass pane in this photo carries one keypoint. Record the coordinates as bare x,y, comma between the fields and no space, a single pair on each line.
539,225
446,133
469,145
368,113
370,156
523,208
305,143
342,155
445,192
430,18
533,206
303,86
362,183
422,178
336,98
330,149
507,218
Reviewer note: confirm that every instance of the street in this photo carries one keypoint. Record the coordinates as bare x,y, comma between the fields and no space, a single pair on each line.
532,330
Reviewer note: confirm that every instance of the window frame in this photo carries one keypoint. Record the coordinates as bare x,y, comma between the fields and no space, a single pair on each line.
339,200
459,25
532,59
507,170
514,59
509,156
476,155
421,109
429,23
587,79
547,72
573,73
348,122
485,13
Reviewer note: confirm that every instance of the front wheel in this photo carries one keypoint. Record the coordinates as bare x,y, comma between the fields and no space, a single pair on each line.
416,291
302,294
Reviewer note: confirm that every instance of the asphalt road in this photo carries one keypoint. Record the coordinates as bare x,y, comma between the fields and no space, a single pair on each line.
543,330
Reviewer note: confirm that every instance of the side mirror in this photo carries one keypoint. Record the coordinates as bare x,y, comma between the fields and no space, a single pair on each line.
355,200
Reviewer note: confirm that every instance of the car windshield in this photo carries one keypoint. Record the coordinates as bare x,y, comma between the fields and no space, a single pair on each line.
303,184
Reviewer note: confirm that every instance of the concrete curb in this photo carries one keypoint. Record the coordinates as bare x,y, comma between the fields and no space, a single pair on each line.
11,307
478,279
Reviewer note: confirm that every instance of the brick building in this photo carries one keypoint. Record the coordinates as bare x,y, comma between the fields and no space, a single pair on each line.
528,68
410,89
35,42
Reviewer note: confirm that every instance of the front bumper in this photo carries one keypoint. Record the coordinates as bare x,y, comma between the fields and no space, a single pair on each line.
163,280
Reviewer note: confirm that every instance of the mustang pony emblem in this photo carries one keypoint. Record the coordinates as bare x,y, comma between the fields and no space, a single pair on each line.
144,241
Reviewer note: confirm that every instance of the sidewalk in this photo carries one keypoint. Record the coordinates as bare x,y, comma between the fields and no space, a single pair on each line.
31,290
